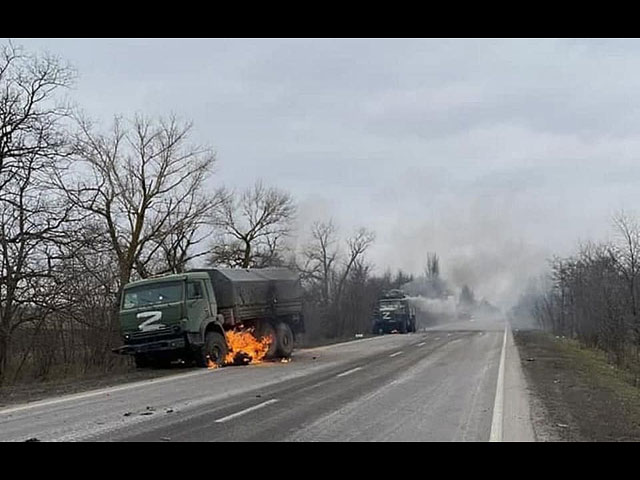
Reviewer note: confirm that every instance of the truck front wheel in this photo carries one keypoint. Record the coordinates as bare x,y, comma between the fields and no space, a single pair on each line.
284,340
214,349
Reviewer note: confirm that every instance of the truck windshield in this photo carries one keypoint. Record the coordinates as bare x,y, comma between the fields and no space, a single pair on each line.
151,294
390,305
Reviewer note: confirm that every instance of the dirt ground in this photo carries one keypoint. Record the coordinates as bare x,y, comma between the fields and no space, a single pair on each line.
577,395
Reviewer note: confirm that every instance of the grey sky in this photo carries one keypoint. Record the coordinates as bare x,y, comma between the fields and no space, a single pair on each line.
494,153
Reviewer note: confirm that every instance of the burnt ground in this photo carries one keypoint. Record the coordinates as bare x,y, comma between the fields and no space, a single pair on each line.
577,395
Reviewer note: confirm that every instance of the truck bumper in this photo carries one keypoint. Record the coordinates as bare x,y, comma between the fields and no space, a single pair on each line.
157,346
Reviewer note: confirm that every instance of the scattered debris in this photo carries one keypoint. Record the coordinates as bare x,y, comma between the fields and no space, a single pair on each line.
530,359
258,396
127,414
285,360
32,439
165,439
146,413
562,425
169,410
313,358
359,335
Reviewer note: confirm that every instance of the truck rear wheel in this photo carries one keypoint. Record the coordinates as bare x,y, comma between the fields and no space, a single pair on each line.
266,330
284,340
214,349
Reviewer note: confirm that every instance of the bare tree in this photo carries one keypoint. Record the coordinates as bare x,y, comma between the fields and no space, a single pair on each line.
145,178
357,244
30,117
627,255
337,282
33,144
319,257
251,227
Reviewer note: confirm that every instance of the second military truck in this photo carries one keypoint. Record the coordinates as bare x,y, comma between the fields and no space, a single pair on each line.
186,315
394,313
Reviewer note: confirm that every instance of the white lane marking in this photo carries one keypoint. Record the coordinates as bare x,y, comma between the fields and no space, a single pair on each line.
349,372
421,344
246,410
498,414
394,354
104,391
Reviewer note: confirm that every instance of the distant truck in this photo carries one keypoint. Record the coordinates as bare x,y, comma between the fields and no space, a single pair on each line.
394,313
185,316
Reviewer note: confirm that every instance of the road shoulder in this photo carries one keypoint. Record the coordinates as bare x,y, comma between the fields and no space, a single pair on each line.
576,395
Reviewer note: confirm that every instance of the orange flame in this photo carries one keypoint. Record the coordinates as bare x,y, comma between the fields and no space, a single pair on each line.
244,346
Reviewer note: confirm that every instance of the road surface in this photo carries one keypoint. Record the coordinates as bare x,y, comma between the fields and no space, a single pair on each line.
461,382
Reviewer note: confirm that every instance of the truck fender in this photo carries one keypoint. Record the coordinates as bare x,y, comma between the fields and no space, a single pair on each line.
214,324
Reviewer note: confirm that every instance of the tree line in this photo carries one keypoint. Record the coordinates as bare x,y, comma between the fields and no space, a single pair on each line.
592,296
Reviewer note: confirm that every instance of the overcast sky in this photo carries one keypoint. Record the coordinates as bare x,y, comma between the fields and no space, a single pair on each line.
493,153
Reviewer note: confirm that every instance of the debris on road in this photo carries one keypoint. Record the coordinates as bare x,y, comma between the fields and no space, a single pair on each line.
165,439
33,439
127,414
169,410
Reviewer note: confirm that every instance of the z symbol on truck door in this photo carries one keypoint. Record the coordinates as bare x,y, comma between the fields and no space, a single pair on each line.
150,325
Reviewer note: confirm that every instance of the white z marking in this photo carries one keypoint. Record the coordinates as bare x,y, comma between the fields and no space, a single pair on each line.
153,317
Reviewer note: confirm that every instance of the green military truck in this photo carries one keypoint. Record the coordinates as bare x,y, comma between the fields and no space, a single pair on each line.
185,316
394,313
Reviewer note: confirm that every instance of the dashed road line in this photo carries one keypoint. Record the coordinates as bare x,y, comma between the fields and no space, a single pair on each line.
246,410
349,372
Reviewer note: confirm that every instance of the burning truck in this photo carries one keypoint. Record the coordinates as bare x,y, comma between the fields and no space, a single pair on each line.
213,316
394,313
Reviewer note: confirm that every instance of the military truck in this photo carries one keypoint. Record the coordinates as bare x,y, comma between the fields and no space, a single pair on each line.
394,313
185,316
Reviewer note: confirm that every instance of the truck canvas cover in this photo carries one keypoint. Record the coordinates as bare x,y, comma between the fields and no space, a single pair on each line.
254,292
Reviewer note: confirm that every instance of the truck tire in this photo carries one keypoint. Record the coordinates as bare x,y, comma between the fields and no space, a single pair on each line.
214,349
284,340
266,330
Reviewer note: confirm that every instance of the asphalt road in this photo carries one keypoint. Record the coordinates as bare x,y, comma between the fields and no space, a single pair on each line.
442,384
